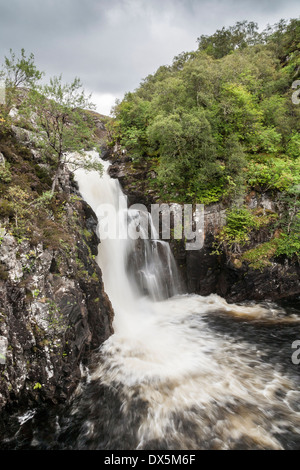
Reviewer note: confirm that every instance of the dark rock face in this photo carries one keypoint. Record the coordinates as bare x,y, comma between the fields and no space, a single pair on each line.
236,281
279,282
205,273
53,314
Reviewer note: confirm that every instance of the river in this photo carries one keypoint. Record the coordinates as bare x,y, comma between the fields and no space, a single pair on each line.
180,371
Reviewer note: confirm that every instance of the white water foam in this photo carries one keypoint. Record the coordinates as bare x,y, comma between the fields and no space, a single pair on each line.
166,351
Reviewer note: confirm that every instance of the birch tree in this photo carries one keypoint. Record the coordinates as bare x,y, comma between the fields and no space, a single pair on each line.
59,113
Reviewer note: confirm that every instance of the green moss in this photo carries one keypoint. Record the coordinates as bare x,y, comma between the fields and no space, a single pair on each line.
260,256
264,217
86,234
94,276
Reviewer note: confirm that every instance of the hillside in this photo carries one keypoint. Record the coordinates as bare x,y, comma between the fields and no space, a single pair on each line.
220,127
53,308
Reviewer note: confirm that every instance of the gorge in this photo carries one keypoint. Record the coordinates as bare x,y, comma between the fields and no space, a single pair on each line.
180,371
111,339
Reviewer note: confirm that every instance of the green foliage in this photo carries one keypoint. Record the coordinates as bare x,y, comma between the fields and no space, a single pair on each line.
130,129
186,147
5,175
273,174
260,256
43,200
293,146
284,37
226,40
6,208
20,199
289,245
56,320
268,140
18,72
287,225
63,126
37,386
289,222
238,223
218,120
236,233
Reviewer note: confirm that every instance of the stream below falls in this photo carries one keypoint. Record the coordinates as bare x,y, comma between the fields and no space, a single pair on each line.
180,371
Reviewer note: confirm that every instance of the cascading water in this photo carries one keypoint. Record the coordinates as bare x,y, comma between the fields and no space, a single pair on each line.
135,274
182,371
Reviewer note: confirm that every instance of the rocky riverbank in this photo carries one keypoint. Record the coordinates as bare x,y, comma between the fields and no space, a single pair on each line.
53,309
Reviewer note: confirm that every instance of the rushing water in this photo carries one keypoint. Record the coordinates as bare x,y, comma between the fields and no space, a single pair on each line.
181,371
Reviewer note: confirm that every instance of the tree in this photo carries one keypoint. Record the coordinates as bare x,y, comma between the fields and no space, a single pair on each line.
224,41
207,126
187,152
21,71
59,112
18,72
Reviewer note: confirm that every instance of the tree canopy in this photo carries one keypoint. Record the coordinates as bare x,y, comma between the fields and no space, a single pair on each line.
220,121
203,119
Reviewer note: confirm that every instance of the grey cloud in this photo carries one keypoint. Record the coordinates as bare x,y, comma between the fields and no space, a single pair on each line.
113,44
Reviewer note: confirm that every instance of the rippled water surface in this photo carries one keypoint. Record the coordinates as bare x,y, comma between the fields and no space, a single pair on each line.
187,372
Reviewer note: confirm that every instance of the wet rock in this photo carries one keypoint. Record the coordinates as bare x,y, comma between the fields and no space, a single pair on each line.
53,314
233,279
205,272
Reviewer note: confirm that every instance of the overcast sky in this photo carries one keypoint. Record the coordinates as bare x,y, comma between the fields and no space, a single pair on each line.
111,45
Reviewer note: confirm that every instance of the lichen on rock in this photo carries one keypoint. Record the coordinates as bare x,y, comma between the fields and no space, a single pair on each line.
54,311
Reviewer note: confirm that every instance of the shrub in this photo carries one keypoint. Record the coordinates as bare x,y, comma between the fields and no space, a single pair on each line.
5,175
289,245
239,223
273,174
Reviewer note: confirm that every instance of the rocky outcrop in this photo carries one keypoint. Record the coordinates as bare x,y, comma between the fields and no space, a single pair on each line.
53,314
133,178
203,271
232,276
236,281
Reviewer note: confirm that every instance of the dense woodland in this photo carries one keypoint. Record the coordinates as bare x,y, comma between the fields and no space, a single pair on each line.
220,122
216,124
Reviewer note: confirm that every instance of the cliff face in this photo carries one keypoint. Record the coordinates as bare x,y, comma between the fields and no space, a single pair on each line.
230,276
53,309
234,279
54,312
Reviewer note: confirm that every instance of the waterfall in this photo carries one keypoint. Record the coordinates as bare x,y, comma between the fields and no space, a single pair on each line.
181,371
136,272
